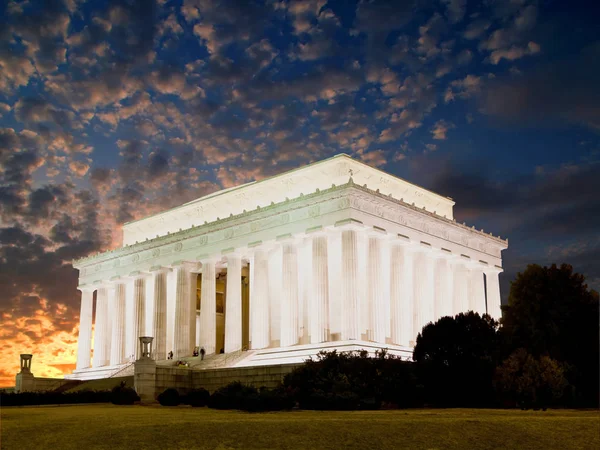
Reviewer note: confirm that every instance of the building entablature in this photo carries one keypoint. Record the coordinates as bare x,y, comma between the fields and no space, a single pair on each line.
295,218
319,175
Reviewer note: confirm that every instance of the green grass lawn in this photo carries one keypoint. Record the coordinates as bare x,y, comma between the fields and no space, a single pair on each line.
108,426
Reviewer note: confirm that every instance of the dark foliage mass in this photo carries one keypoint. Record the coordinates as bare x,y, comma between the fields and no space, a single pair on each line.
545,353
456,358
552,312
169,397
339,381
197,397
123,395
247,398
531,382
54,398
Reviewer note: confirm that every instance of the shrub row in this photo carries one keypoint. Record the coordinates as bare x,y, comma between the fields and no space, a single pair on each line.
233,396
54,398
353,380
119,395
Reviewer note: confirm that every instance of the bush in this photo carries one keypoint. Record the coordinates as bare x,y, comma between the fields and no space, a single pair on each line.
247,398
277,399
235,396
197,397
169,397
123,395
54,398
353,380
530,382
456,358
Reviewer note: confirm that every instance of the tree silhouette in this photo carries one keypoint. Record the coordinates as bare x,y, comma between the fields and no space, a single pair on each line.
456,358
552,312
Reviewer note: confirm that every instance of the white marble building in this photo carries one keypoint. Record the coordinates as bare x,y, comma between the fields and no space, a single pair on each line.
335,254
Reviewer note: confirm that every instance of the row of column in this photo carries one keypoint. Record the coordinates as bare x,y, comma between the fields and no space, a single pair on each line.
121,317
338,286
349,286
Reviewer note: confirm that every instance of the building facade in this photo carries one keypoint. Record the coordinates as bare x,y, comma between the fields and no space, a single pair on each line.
335,254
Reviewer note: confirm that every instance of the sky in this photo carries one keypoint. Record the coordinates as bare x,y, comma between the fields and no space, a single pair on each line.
111,111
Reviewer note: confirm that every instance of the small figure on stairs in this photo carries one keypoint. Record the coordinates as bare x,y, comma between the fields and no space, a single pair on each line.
202,353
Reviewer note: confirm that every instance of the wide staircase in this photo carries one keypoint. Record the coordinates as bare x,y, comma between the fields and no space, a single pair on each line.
103,384
215,361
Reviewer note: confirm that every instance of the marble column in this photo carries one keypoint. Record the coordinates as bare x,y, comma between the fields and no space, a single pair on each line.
476,290
100,329
208,307
275,278
376,302
135,315
117,344
259,294
493,293
158,299
251,284
319,300
84,343
350,286
401,293
184,335
460,292
289,295
423,290
233,304
443,288
334,256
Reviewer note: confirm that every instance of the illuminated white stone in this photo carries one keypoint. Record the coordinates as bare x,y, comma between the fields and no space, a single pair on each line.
158,298
320,175
117,343
233,306
101,339
376,303
319,305
443,287
289,295
460,290
208,305
135,316
350,288
493,293
340,255
259,300
476,290
84,342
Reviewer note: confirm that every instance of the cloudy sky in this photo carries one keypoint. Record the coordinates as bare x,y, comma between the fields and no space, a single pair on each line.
110,111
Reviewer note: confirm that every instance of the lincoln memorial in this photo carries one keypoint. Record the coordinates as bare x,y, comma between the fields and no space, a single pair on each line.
333,255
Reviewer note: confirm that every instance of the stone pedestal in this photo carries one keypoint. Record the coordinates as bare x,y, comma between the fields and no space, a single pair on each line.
144,378
25,382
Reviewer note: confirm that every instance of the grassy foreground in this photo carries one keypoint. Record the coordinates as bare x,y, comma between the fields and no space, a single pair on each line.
111,427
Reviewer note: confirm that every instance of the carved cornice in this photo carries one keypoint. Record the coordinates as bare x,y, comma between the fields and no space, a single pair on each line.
375,203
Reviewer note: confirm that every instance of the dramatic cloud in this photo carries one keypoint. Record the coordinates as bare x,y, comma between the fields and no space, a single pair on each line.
111,111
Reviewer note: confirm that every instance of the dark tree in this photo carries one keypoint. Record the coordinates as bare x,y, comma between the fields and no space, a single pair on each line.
456,358
552,312
528,382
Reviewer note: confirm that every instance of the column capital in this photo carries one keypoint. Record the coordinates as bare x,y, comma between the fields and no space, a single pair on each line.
376,232
159,269
493,269
350,224
262,247
86,288
401,240
189,265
